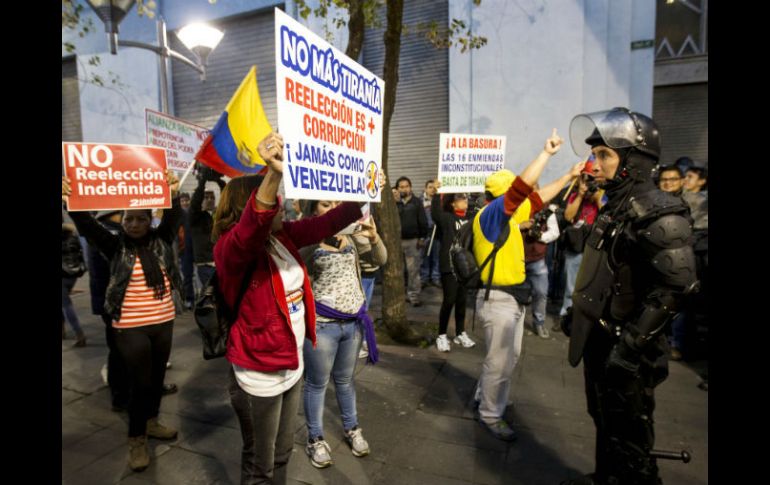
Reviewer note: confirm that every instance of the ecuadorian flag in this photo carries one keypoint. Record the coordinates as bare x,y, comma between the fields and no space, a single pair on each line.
231,147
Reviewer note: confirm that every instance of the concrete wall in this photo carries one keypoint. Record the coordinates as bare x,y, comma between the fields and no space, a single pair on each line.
544,63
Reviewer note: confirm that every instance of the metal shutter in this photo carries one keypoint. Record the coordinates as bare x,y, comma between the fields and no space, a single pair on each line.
248,40
71,129
422,96
681,113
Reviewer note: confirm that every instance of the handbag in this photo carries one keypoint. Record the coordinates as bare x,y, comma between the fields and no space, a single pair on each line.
522,292
214,318
575,237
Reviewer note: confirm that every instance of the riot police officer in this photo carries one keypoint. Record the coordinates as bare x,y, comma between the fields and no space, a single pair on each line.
636,268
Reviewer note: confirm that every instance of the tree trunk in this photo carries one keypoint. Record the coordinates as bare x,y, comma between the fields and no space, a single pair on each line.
356,29
393,291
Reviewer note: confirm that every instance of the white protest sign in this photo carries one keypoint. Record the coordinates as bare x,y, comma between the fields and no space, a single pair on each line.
465,161
180,138
330,116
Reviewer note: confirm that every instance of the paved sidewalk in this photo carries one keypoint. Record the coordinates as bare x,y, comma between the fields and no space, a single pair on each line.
414,408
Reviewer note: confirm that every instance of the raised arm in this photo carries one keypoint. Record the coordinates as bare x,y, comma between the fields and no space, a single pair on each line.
88,227
169,225
531,174
551,190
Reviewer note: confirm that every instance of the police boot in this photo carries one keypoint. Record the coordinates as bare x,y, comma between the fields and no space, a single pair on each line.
159,431
138,453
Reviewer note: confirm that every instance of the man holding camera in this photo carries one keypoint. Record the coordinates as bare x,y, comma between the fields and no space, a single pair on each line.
538,233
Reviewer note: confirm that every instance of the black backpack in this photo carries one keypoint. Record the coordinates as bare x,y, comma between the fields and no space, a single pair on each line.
214,318
468,273
461,258
72,261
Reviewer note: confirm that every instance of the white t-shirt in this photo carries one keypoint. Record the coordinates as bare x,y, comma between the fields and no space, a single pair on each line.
268,384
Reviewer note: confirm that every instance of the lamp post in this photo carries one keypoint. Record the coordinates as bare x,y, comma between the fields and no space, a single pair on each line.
199,38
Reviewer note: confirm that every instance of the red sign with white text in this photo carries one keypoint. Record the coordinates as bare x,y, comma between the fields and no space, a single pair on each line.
106,177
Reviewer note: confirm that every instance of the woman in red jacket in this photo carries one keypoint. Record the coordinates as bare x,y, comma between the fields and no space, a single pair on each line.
256,256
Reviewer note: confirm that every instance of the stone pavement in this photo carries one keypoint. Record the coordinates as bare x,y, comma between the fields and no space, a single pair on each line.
414,409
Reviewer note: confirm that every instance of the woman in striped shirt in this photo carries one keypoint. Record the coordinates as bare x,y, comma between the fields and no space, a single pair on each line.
143,275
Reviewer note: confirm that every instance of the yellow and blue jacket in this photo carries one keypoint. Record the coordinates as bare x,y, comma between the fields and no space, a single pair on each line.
516,205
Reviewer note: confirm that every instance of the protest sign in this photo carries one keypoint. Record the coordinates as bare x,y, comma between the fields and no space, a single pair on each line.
180,138
465,161
108,176
330,116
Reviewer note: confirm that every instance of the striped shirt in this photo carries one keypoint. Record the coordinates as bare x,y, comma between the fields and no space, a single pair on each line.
140,308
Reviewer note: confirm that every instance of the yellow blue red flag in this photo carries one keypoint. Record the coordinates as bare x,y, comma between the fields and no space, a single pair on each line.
231,147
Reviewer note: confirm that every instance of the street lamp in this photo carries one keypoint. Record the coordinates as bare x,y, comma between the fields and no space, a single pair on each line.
199,38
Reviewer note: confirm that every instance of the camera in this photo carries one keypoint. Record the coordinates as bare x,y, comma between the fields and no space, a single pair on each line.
540,219
591,185
535,231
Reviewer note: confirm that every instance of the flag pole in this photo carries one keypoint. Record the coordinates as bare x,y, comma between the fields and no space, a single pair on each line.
187,172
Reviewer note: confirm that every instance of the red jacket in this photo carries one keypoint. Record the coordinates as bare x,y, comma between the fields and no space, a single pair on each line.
261,338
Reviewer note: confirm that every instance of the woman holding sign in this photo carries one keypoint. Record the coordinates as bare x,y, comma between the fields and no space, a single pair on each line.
340,302
262,278
144,274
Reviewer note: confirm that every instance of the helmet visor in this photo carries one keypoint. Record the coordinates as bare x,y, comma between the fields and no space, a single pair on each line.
616,127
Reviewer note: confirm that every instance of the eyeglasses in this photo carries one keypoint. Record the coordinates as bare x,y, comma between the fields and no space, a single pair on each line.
670,179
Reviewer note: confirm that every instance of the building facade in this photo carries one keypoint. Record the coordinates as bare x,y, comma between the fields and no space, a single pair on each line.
544,62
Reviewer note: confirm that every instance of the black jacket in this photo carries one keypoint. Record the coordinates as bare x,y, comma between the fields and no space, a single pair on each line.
636,268
122,259
201,225
413,221
72,261
99,266
448,224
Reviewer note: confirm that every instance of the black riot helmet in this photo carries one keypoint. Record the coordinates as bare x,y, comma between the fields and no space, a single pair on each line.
619,129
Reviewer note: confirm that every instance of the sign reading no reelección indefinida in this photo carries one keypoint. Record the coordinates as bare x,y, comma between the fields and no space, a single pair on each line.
330,116
465,161
180,138
108,176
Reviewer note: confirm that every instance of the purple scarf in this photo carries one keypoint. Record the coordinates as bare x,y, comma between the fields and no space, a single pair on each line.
361,318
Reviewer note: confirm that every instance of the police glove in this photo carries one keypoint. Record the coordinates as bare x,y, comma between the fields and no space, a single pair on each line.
624,358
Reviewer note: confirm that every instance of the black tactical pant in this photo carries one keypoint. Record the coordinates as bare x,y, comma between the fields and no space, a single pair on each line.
621,406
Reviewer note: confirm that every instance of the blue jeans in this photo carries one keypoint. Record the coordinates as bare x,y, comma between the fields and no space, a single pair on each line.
67,283
571,266
336,352
368,284
188,272
429,269
678,331
537,273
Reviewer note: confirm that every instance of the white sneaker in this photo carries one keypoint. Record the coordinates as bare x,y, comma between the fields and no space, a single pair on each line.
464,340
320,453
442,343
358,445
